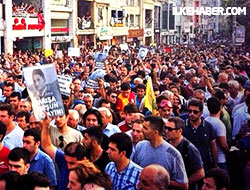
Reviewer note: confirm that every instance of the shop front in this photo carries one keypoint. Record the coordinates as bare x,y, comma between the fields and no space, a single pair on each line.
27,33
119,35
104,36
135,36
60,33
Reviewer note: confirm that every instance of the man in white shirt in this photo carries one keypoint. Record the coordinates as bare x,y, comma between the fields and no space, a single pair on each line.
14,134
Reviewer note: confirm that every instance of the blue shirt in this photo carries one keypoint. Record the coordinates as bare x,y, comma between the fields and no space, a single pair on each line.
63,170
42,163
125,180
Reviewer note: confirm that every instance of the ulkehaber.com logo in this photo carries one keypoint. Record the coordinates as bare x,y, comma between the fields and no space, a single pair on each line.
209,11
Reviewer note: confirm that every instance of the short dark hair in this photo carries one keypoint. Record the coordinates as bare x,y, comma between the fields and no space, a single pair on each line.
24,114
10,178
8,84
94,112
15,94
141,86
110,91
103,100
95,133
196,103
8,108
220,177
130,108
18,153
178,122
38,72
156,123
34,133
123,143
3,129
100,179
213,105
76,150
125,86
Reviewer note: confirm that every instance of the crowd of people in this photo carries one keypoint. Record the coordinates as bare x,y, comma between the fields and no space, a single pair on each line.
23,10
195,135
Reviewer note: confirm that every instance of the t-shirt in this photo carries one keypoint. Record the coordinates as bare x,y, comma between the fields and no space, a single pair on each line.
72,135
102,162
63,170
4,159
166,155
220,131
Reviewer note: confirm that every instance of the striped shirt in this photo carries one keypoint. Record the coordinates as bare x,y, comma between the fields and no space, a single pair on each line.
125,180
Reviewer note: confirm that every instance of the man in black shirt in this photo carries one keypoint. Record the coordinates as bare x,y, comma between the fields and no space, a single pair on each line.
201,134
93,137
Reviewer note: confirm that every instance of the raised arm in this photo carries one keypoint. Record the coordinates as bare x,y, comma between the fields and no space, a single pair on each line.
47,145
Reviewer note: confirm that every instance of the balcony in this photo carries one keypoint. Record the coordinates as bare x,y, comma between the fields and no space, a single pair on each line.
85,24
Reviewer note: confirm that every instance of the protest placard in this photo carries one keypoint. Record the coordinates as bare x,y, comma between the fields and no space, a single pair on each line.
74,52
124,47
48,52
43,88
142,53
64,84
100,57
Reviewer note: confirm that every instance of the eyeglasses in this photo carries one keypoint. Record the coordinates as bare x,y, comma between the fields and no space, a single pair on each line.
113,96
61,145
170,128
194,111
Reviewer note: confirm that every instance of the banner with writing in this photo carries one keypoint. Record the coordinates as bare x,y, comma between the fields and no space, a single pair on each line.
64,83
43,88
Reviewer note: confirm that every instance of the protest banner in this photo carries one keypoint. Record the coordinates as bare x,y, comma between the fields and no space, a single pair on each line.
142,53
124,47
43,88
106,49
74,52
64,84
100,57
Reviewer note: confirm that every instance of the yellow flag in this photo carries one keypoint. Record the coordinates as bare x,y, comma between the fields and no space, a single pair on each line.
150,100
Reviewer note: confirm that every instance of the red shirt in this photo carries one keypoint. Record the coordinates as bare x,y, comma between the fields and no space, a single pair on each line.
4,159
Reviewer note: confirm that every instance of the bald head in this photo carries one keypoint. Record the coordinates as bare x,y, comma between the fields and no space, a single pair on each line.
155,177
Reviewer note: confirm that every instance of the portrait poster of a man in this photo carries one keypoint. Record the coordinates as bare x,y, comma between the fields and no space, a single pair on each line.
43,88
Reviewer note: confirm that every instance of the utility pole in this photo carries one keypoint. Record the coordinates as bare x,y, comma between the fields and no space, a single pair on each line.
234,24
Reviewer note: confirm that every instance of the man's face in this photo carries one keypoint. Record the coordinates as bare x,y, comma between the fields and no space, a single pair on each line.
7,90
39,82
22,123
34,124
14,101
124,71
71,161
30,144
105,118
194,81
5,118
140,93
146,181
91,121
72,122
171,132
125,93
74,183
90,91
88,102
61,121
209,184
87,141
129,117
194,113
18,166
165,112
137,133
112,98
199,96
147,130
113,152
77,84
24,106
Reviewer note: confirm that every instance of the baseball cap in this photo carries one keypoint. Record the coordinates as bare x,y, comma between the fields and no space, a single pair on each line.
165,103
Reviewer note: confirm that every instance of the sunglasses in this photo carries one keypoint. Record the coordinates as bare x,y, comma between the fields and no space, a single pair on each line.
113,96
194,111
61,145
170,128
